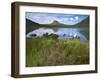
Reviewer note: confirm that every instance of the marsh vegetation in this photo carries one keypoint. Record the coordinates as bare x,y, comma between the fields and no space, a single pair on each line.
50,51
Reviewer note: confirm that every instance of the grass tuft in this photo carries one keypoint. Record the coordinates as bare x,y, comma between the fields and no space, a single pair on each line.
48,51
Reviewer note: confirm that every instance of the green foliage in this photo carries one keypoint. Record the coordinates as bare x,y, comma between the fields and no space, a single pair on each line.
49,51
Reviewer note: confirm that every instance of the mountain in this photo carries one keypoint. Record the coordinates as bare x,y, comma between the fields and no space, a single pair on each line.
30,25
84,23
55,24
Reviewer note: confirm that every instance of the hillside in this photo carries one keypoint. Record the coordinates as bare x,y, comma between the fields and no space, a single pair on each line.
55,24
30,25
84,23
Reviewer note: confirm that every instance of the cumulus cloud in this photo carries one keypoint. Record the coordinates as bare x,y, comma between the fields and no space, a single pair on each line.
47,18
40,18
76,18
71,19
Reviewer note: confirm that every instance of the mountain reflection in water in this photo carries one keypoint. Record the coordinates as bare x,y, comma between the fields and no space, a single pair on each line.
63,33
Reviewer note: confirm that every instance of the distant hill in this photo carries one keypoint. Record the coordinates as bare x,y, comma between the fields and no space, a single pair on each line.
55,24
84,23
30,25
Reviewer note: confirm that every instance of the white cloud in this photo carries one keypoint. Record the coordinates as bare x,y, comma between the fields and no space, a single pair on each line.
40,18
71,19
76,18
45,18
62,20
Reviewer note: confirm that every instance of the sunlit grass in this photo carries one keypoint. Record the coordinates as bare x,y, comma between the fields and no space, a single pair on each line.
48,51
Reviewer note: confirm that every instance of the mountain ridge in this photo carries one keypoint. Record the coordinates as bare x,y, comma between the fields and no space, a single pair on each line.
30,25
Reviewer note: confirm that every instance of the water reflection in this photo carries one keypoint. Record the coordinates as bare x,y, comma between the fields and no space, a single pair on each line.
63,33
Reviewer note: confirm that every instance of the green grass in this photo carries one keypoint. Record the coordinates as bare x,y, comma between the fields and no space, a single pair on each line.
48,51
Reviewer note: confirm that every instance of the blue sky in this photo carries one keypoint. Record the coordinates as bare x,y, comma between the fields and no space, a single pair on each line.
47,18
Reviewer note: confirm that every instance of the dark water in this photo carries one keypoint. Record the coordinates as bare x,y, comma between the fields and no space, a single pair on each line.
63,33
